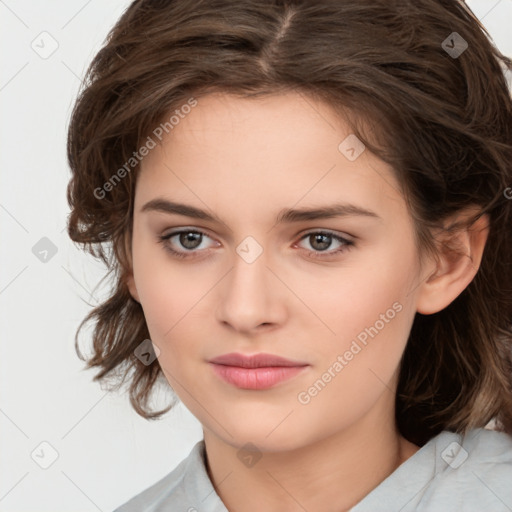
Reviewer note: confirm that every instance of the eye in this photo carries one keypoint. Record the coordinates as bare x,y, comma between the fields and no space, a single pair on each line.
189,239
320,241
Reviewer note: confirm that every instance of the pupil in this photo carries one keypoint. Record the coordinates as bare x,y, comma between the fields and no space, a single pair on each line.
188,240
319,238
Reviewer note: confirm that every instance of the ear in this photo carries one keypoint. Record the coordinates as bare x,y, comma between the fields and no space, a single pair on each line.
130,282
129,279
456,267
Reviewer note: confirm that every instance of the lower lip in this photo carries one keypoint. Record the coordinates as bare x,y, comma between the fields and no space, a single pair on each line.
256,378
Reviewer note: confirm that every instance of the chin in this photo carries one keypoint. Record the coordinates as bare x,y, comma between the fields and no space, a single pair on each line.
265,437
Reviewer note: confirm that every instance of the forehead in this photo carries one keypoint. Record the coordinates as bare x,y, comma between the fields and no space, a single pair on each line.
259,155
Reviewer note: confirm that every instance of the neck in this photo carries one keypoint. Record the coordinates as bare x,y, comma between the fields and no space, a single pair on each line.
331,474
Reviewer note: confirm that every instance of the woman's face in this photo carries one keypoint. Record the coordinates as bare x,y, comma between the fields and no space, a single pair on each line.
267,277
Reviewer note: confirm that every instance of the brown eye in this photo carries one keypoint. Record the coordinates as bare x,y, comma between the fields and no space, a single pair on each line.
185,244
189,239
320,241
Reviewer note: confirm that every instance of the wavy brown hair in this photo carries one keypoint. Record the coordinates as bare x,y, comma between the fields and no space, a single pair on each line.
442,121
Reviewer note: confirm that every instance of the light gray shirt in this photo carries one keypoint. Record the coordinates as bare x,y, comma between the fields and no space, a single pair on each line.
449,473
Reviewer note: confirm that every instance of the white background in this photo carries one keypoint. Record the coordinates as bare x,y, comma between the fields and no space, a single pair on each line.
106,452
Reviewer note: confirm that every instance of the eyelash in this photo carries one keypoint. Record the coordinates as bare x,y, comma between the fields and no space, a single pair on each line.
347,244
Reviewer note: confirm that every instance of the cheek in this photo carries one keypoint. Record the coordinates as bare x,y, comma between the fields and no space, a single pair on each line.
373,319
175,302
367,296
167,291
358,368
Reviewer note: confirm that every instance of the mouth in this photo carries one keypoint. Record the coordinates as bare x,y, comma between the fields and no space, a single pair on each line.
257,372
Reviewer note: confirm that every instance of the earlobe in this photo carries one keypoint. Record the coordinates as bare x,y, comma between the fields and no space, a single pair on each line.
455,268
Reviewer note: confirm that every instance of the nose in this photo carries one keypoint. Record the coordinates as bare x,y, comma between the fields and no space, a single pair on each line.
251,297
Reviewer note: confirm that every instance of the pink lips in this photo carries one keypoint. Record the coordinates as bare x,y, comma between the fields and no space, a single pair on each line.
259,371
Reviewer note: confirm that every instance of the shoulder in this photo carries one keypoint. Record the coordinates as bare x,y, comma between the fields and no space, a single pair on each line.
479,455
488,446
452,472
187,487
471,472
479,450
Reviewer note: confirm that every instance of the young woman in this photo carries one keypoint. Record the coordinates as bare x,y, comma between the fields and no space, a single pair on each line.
305,206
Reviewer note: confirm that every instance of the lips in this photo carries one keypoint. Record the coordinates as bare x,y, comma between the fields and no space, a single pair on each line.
259,371
255,361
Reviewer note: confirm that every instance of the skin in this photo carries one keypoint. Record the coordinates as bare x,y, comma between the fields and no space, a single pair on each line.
244,160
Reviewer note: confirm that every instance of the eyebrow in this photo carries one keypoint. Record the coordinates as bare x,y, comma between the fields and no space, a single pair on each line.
287,215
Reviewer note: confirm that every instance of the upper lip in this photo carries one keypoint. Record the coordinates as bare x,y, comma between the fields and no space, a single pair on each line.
254,361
